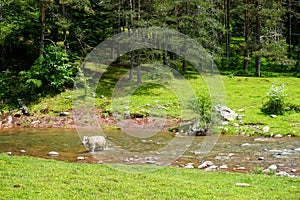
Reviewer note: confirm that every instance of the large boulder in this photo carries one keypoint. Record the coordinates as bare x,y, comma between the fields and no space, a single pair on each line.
225,112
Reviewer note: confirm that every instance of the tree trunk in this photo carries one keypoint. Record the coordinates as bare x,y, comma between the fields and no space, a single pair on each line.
228,29
185,54
139,10
258,65
257,38
298,57
2,47
119,31
63,10
289,28
112,52
43,28
131,66
246,37
139,78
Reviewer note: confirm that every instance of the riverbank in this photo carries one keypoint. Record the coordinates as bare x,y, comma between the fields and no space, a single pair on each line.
244,95
18,120
33,178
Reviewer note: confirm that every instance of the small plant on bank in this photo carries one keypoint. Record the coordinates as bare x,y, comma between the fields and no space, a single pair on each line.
203,106
276,100
258,170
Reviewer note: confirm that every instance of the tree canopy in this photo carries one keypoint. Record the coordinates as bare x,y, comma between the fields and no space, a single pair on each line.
247,37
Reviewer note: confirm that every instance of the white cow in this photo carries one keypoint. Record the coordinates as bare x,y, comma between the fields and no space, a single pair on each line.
95,142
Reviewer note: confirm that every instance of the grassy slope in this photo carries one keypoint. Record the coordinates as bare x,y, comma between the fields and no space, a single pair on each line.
248,93
241,93
34,178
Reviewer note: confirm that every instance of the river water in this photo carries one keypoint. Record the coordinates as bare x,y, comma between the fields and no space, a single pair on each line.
239,153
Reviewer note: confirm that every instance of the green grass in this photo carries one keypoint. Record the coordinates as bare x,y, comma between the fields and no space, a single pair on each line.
249,94
33,178
167,96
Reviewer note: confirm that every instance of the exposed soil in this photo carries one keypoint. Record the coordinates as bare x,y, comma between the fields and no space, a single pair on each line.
17,119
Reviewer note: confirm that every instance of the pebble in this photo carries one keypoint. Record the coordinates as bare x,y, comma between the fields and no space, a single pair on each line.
150,161
223,167
189,166
205,164
278,136
273,116
202,166
246,145
35,122
63,114
240,168
9,153
22,151
53,153
80,158
242,185
282,173
297,149
209,163
211,168
293,170
272,167
261,139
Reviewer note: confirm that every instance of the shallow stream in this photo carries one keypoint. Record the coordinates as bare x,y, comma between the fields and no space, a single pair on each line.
239,153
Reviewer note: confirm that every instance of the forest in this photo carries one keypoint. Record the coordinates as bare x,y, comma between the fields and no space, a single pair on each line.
43,43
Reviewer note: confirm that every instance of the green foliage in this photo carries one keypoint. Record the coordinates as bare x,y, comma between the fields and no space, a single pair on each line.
258,170
276,101
202,105
50,71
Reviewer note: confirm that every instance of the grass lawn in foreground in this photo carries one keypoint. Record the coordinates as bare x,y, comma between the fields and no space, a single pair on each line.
34,178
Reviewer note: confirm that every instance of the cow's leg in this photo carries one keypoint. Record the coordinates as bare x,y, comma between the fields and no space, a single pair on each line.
93,148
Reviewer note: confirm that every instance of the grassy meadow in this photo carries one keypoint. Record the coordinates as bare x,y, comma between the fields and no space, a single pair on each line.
165,95
34,178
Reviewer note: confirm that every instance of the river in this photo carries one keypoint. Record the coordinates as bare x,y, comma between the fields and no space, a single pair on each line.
238,153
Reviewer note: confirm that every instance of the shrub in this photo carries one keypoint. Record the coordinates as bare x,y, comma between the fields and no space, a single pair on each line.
276,101
51,72
203,106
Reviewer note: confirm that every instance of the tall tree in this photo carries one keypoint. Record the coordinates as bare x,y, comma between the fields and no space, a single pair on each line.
228,6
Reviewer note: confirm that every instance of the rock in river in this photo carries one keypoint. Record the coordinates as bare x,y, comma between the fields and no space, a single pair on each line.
53,153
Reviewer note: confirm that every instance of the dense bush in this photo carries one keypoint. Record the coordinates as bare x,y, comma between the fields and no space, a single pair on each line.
275,103
51,72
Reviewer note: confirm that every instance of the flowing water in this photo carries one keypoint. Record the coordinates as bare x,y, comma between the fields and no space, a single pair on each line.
239,153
